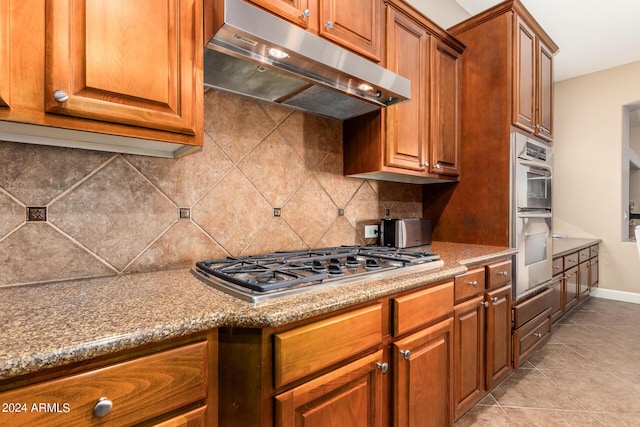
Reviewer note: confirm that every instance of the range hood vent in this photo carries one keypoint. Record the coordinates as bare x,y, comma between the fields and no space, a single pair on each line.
256,54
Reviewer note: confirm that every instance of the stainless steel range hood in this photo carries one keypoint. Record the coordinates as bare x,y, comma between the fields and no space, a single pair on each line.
312,74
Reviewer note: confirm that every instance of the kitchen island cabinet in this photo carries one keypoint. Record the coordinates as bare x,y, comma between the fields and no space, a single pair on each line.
115,76
355,25
418,140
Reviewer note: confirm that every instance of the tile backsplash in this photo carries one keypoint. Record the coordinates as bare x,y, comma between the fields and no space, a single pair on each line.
109,214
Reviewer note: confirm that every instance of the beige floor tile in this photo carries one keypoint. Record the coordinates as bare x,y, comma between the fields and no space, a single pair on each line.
484,416
618,420
559,356
550,418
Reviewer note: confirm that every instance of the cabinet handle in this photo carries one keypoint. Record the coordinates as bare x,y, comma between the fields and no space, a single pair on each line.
103,407
494,299
485,304
306,13
537,335
384,367
503,273
567,277
425,164
474,283
406,354
328,25
437,166
60,95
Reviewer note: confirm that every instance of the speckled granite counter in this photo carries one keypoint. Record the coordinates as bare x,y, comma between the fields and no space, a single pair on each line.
55,324
565,245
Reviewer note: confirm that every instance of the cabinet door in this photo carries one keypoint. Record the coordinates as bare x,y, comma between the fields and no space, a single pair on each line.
354,24
593,273
348,396
132,62
445,107
4,53
544,120
570,288
583,280
498,338
524,77
423,367
469,339
296,11
557,298
407,135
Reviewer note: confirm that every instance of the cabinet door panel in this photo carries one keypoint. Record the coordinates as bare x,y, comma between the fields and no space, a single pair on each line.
571,289
545,92
125,62
445,123
4,53
406,130
525,72
291,10
498,335
348,396
354,24
423,386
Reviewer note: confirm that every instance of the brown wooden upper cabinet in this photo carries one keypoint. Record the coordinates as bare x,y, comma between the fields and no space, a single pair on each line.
353,24
533,85
418,140
132,69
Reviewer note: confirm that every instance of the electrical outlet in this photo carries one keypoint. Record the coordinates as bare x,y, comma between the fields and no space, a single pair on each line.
370,231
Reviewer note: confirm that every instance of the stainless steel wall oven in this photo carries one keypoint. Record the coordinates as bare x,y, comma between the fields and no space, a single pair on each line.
531,213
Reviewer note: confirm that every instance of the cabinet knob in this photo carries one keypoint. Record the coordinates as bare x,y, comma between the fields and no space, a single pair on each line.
503,273
406,354
425,164
328,25
567,277
60,95
306,13
474,283
437,166
384,367
537,335
494,299
103,407
485,304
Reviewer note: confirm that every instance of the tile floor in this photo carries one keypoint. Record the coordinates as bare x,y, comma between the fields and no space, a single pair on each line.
588,374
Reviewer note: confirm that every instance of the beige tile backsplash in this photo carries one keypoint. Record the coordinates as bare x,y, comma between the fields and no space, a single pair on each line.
110,214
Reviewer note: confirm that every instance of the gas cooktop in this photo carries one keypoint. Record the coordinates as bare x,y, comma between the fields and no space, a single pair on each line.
258,278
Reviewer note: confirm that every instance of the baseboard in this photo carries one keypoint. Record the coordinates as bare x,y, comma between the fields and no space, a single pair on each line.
615,295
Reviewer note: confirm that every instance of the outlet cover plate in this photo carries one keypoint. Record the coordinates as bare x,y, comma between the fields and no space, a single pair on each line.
370,231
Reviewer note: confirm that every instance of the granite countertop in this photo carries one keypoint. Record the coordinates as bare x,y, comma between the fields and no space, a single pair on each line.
565,245
55,324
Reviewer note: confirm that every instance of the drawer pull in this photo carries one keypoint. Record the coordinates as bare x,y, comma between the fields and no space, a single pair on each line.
503,273
567,277
103,407
406,354
537,335
384,367
474,283
494,299
484,304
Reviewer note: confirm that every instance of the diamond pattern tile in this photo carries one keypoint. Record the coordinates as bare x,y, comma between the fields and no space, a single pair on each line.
310,212
181,246
176,177
275,169
237,124
341,233
35,174
116,213
339,187
364,208
311,136
233,212
38,253
13,214
276,236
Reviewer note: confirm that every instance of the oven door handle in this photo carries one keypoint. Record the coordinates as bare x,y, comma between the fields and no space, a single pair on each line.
538,165
534,215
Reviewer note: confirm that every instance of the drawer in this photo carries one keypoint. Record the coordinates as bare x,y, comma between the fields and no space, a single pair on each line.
422,307
469,284
524,311
558,265
139,390
570,260
498,274
594,250
302,351
584,255
530,337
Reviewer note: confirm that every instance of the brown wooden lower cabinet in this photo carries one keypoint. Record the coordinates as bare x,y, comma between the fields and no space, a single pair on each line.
571,290
498,339
531,325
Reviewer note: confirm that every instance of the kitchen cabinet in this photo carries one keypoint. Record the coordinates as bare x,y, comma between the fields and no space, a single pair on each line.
531,325
5,70
131,84
482,332
557,298
506,80
355,25
418,140
165,387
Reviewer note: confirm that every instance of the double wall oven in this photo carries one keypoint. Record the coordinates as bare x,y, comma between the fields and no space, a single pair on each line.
531,214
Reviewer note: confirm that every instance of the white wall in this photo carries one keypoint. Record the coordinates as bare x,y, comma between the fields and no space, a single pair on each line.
588,167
